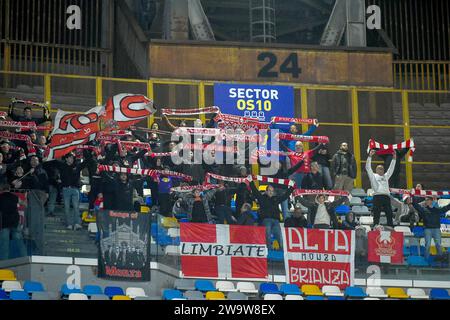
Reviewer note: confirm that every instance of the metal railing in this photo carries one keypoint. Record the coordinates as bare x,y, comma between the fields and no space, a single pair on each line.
350,113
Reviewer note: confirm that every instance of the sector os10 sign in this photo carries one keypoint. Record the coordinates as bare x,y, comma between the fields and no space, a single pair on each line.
255,101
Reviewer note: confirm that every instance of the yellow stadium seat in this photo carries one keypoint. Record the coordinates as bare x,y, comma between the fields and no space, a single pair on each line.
276,245
433,250
7,275
145,209
255,206
215,295
121,298
85,217
262,188
397,293
311,290
168,222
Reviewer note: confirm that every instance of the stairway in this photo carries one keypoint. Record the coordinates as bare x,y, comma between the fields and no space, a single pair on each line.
61,242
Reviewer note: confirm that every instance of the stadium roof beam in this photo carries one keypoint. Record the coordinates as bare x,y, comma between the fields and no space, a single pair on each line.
316,4
302,26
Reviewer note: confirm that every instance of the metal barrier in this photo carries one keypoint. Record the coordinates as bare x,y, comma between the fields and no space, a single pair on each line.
345,113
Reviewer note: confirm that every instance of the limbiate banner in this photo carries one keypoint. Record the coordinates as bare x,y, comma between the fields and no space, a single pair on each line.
255,101
319,256
124,246
223,251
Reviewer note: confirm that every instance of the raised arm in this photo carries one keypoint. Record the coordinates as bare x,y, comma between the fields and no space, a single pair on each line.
166,120
391,167
285,195
255,191
369,164
310,130
296,167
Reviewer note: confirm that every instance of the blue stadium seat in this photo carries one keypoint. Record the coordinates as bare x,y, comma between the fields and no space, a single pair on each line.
336,298
417,261
170,294
445,221
148,201
255,215
114,291
184,220
3,295
291,289
416,251
65,291
269,287
354,292
314,298
91,290
419,232
33,286
342,210
165,240
19,295
432,262
275,255
204,286
439,294
406,251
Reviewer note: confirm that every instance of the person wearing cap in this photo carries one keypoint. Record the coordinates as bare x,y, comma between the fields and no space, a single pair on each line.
379,182
297,220
349,222
322,214
430,213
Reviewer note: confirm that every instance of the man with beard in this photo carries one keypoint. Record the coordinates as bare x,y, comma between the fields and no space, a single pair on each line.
343,166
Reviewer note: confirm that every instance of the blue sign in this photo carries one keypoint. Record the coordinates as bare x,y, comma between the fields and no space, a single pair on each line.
255,101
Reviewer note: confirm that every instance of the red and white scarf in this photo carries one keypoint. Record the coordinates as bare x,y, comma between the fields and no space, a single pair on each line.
301,192
204,187
210,175
213,146
423,193
97,150
218,133
3,114
144,172
24,126
265,153
190,112
130,145
244,123
402,145
296,137
285,182
30,103
21,137
294,120
161,154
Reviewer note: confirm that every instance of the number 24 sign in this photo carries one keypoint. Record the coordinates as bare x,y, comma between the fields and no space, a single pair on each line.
272,67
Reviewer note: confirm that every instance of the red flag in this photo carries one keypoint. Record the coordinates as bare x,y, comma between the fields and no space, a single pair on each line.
385,247
320,257
223,251
72,129
125,110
